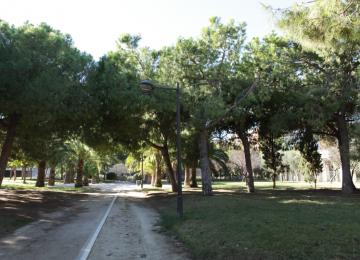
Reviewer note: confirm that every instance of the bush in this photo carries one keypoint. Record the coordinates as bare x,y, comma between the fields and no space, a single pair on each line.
260,173
111,176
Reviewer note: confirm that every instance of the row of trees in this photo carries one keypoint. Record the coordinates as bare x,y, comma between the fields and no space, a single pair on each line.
45,103
289,91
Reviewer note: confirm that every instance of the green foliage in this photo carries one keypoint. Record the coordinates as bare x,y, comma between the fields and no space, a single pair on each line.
111,176
329,69
49,65
42,76
271,147
295,161
324,25
206,68
218,161
308,147
112,86
59,96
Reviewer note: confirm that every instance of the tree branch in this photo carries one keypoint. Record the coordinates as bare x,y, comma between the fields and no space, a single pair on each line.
237,101
159,147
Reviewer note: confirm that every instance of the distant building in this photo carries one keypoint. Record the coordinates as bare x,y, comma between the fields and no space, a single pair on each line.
119,169
30,172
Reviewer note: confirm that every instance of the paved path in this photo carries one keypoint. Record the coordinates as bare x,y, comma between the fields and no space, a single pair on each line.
129,232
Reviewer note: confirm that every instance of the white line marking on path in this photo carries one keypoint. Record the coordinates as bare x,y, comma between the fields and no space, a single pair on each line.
85,251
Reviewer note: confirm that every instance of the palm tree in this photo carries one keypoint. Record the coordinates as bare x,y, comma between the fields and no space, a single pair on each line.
218,161
58,156
80,152
152,163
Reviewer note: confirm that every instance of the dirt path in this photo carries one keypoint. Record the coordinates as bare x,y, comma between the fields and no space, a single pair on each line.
130,232
19,207
56,235
65,222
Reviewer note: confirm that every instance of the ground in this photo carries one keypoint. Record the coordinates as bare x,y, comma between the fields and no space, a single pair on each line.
19,207
64,223
281,224
134,235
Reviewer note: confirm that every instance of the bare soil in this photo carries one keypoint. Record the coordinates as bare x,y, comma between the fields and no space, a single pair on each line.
20,207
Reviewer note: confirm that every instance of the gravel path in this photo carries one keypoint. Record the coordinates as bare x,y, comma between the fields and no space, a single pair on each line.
130,232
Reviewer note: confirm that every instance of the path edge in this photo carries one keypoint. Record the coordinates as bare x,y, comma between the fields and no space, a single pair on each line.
86,249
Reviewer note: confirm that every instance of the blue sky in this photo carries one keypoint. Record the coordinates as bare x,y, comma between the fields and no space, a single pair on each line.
95,25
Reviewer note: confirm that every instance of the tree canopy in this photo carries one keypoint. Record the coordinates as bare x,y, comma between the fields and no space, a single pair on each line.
261,92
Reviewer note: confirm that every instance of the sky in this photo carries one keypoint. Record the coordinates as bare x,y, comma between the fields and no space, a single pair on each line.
96,25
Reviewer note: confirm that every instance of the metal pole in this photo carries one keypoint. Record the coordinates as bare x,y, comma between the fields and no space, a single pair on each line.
142,171
178,155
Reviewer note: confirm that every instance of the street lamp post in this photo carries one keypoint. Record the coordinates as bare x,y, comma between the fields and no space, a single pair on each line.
142,171
147,87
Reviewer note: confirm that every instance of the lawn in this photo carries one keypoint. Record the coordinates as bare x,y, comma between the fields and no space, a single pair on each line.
30,185
267,185
295,223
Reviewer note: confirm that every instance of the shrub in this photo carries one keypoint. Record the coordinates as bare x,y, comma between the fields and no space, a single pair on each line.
111,176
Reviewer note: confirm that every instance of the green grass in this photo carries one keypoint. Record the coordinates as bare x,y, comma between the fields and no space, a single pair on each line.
155,189
46,188
267,225
266,185
30,185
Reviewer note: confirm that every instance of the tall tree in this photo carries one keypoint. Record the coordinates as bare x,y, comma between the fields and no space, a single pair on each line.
308,147
205,67
270,146
37,66
158,110
330,30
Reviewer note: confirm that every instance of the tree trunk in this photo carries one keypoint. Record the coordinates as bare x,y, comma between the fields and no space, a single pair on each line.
193,183
67,177
187,176
72,174
23,174
249,172
14,173
153,178
61,172
79,173
274,180
348,186
95,178
158,182
86,181
40,181
170,170
352,172
6,147
51,181
205,164
174,166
